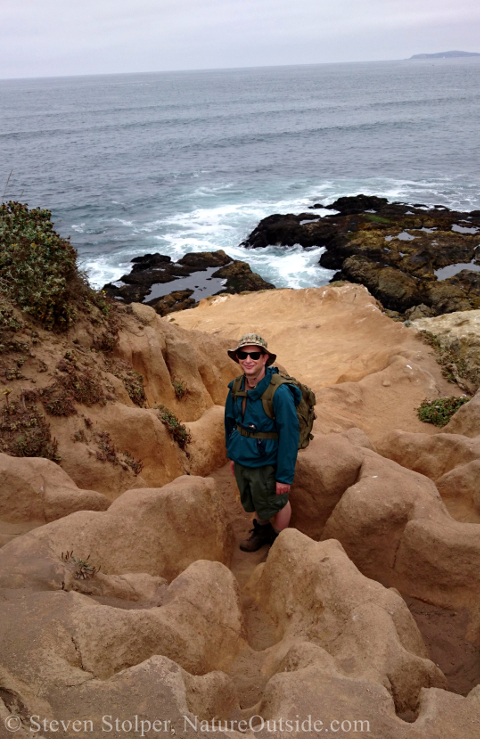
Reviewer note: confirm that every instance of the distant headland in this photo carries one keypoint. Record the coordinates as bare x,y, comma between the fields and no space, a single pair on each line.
445,55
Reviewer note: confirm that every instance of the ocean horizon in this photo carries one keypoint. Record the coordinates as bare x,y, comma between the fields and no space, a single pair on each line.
173,162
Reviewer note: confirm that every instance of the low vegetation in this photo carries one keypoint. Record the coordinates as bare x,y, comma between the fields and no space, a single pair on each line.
177,430
179,389
132,380
83,569
24,430
454,367
77,382
440,411
38,269
39,273
106,452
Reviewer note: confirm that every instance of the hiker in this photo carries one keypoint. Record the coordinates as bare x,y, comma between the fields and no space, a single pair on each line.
262,450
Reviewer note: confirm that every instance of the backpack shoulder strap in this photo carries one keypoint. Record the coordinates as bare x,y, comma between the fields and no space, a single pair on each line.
236,388
267,397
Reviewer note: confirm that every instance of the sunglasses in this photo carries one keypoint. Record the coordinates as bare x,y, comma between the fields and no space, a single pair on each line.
254,355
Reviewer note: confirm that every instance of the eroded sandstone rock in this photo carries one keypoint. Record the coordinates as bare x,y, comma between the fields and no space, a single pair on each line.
324,470
158,531
367,371
458,333
364,631
36,489
466,420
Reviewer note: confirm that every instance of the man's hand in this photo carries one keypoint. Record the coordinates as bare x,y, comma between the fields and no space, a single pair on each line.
231,467
281,488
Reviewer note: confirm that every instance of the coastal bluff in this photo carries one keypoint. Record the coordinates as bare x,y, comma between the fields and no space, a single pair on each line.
123,591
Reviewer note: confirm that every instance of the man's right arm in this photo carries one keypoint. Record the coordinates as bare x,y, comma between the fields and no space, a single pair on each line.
229,423
229,417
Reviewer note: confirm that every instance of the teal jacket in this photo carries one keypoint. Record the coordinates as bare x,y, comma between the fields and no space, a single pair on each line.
249,452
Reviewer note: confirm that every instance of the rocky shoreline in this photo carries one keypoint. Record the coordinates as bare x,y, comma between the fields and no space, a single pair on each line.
196,275
417,261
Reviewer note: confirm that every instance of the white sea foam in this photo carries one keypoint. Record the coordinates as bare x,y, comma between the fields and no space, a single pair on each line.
220,217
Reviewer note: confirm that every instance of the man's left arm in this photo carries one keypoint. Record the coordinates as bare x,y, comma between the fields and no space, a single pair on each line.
286,421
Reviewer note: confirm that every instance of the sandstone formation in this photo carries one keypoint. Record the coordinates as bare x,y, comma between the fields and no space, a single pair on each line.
399,252
98,410
451,460
157,531
365,628
467,419
458,335
138,608
130,644
373,377
34,490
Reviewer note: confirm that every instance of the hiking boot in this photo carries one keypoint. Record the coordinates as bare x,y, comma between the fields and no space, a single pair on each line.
259,536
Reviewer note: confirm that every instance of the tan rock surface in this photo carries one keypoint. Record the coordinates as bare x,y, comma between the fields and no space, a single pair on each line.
450,459
460,489
466,420
161,630
366,628
157,531
395,527
68,640
111,443
433,456
126,629
207,449
324,470
460,332
35,489
162,352
131,429
367,371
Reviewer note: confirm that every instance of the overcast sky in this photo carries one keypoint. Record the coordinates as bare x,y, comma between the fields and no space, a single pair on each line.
70,37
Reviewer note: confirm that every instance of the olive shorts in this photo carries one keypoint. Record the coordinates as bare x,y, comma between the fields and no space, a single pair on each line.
257,487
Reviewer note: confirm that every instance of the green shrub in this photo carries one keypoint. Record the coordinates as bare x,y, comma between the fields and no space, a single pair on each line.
38,269
135,464
83,568
176,429
179,389
76,383
440,411
132,380
24,430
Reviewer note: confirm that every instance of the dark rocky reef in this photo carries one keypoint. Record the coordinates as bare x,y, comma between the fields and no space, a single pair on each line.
172,286
416,261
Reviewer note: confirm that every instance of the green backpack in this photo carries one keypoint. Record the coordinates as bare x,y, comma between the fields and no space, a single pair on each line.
305,409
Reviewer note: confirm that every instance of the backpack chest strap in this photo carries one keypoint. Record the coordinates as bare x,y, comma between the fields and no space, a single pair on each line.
256,434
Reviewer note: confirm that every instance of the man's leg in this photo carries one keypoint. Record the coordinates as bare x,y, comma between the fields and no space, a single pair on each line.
262,531
282,518
268,505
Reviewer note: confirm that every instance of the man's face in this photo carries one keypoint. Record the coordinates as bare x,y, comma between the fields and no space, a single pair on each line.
249,365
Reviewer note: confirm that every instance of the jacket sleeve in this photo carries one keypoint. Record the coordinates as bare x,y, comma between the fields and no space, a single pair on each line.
229,417
288,433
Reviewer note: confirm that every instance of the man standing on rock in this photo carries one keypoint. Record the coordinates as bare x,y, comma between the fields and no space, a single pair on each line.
263,451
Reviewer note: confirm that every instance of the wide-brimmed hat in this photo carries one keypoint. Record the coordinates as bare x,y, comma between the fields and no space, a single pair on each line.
252,340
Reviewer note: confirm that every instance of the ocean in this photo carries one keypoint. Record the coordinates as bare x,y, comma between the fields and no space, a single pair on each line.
191,161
